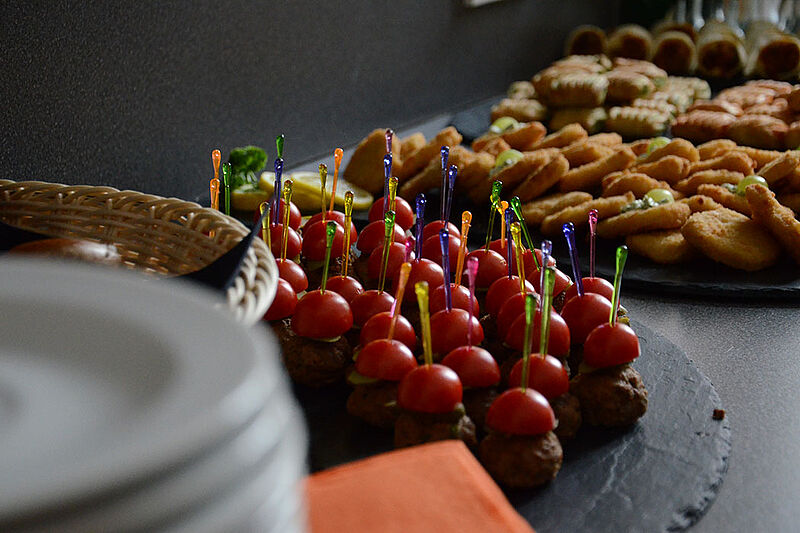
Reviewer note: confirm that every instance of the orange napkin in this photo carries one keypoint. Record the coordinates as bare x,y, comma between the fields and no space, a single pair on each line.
438,487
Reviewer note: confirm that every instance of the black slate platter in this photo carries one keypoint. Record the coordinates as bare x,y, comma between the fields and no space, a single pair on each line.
474,121
660,475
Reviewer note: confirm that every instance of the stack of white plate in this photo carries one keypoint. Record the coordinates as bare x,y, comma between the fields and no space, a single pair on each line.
131,404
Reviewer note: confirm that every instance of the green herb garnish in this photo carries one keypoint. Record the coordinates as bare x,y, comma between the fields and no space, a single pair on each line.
246,163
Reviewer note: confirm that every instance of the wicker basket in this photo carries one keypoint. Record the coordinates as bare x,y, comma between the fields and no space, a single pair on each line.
163,236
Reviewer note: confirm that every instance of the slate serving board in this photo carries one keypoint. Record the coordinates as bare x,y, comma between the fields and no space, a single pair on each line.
660,475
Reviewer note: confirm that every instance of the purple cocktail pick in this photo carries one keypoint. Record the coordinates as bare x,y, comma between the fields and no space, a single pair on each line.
569,233
547,250
389,134
509,214
445,151
592,235
387,173
410,242
420,208
444,241
276,193
451,174
472,274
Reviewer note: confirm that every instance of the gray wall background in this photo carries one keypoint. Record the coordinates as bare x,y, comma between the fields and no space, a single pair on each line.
137,94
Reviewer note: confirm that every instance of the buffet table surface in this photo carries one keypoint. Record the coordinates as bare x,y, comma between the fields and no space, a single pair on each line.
751,353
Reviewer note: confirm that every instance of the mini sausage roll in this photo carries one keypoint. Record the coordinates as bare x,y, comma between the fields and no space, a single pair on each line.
586,39
624,86
720,52
636,122
702,126
674,51
578,89
631,41
520,110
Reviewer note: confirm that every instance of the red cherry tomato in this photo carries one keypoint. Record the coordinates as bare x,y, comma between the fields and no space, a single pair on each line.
459,295
521,412
433,228
432,249
293,273
511,309
385,359
558,339
475,366
346,286
370,303
284,303
550,260
424,270
501,290
397,256
584,313
336,216
449,330
314,238
403,214
430,389
527,256
294,242
545,374
562,281
371,237
295,218
595,285
377,327
609,345
322,315
491,267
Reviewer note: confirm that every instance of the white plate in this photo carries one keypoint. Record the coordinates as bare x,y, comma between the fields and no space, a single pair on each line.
107,378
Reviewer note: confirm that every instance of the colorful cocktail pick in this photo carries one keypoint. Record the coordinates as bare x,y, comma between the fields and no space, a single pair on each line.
337,162
226,186
405,270
472,275
421,288
622,256
466,222
287,199
348,216
569,233
444,242
330,233
388,224
592,237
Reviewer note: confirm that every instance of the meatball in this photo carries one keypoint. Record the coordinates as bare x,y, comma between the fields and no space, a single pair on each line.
414,428
375,403
477,401
314,269
567,409
492,341
311,362
613,396
521,461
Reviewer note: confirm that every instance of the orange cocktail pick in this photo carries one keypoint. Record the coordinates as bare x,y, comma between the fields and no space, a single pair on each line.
337,161
405,270
466,221
501,208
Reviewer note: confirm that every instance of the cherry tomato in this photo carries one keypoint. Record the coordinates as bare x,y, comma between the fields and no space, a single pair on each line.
475,366
521,412
430,389
385,359
336,216
609,345
501,290
562,281
370,303
346,286
284,303
491,267
314,238
294,242
433,228
322,315
432,249
295,218
371,237
449,330
404,216
550,260
459,295
293,273
545,374
511,309
377,327
558,339
527,256
584,313
595,285
424,270
397,256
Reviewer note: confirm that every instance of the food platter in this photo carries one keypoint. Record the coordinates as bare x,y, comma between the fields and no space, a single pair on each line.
624,479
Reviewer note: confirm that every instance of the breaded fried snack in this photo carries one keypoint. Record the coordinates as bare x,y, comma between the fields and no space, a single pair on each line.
662,106
591,119
732,239
606,139
417,160
778,108
700,202
578,214
521,90
664,216
735,160
490,143
702,126
772,53
586,39
475,173
636,122
577,89
715,148
431,176
365,167
525,136
591,62
780,87
588,177
780,168
792,138
674,51
761,157
722,106
631,41
583,152
666,247
758,130
680,98
722,195
699,88
778,219
540,181
714,177
521,110
720,52
563,137
669,168
512,175
624,86
790,200
640,147
635,182
656,75
535,211
677,147
411,144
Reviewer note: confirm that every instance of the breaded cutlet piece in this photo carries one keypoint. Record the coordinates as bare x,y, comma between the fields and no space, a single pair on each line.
778,219
669,168
714,177
725,197
417,160
589,176
540,181
639,184
578,214
701,202
365,167
715,148
677,147
411,144
492,144
666,247
660,217
431,176
535,211
779,169
732,239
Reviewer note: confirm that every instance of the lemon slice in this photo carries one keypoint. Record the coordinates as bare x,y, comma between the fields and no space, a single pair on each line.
305,190
247,198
